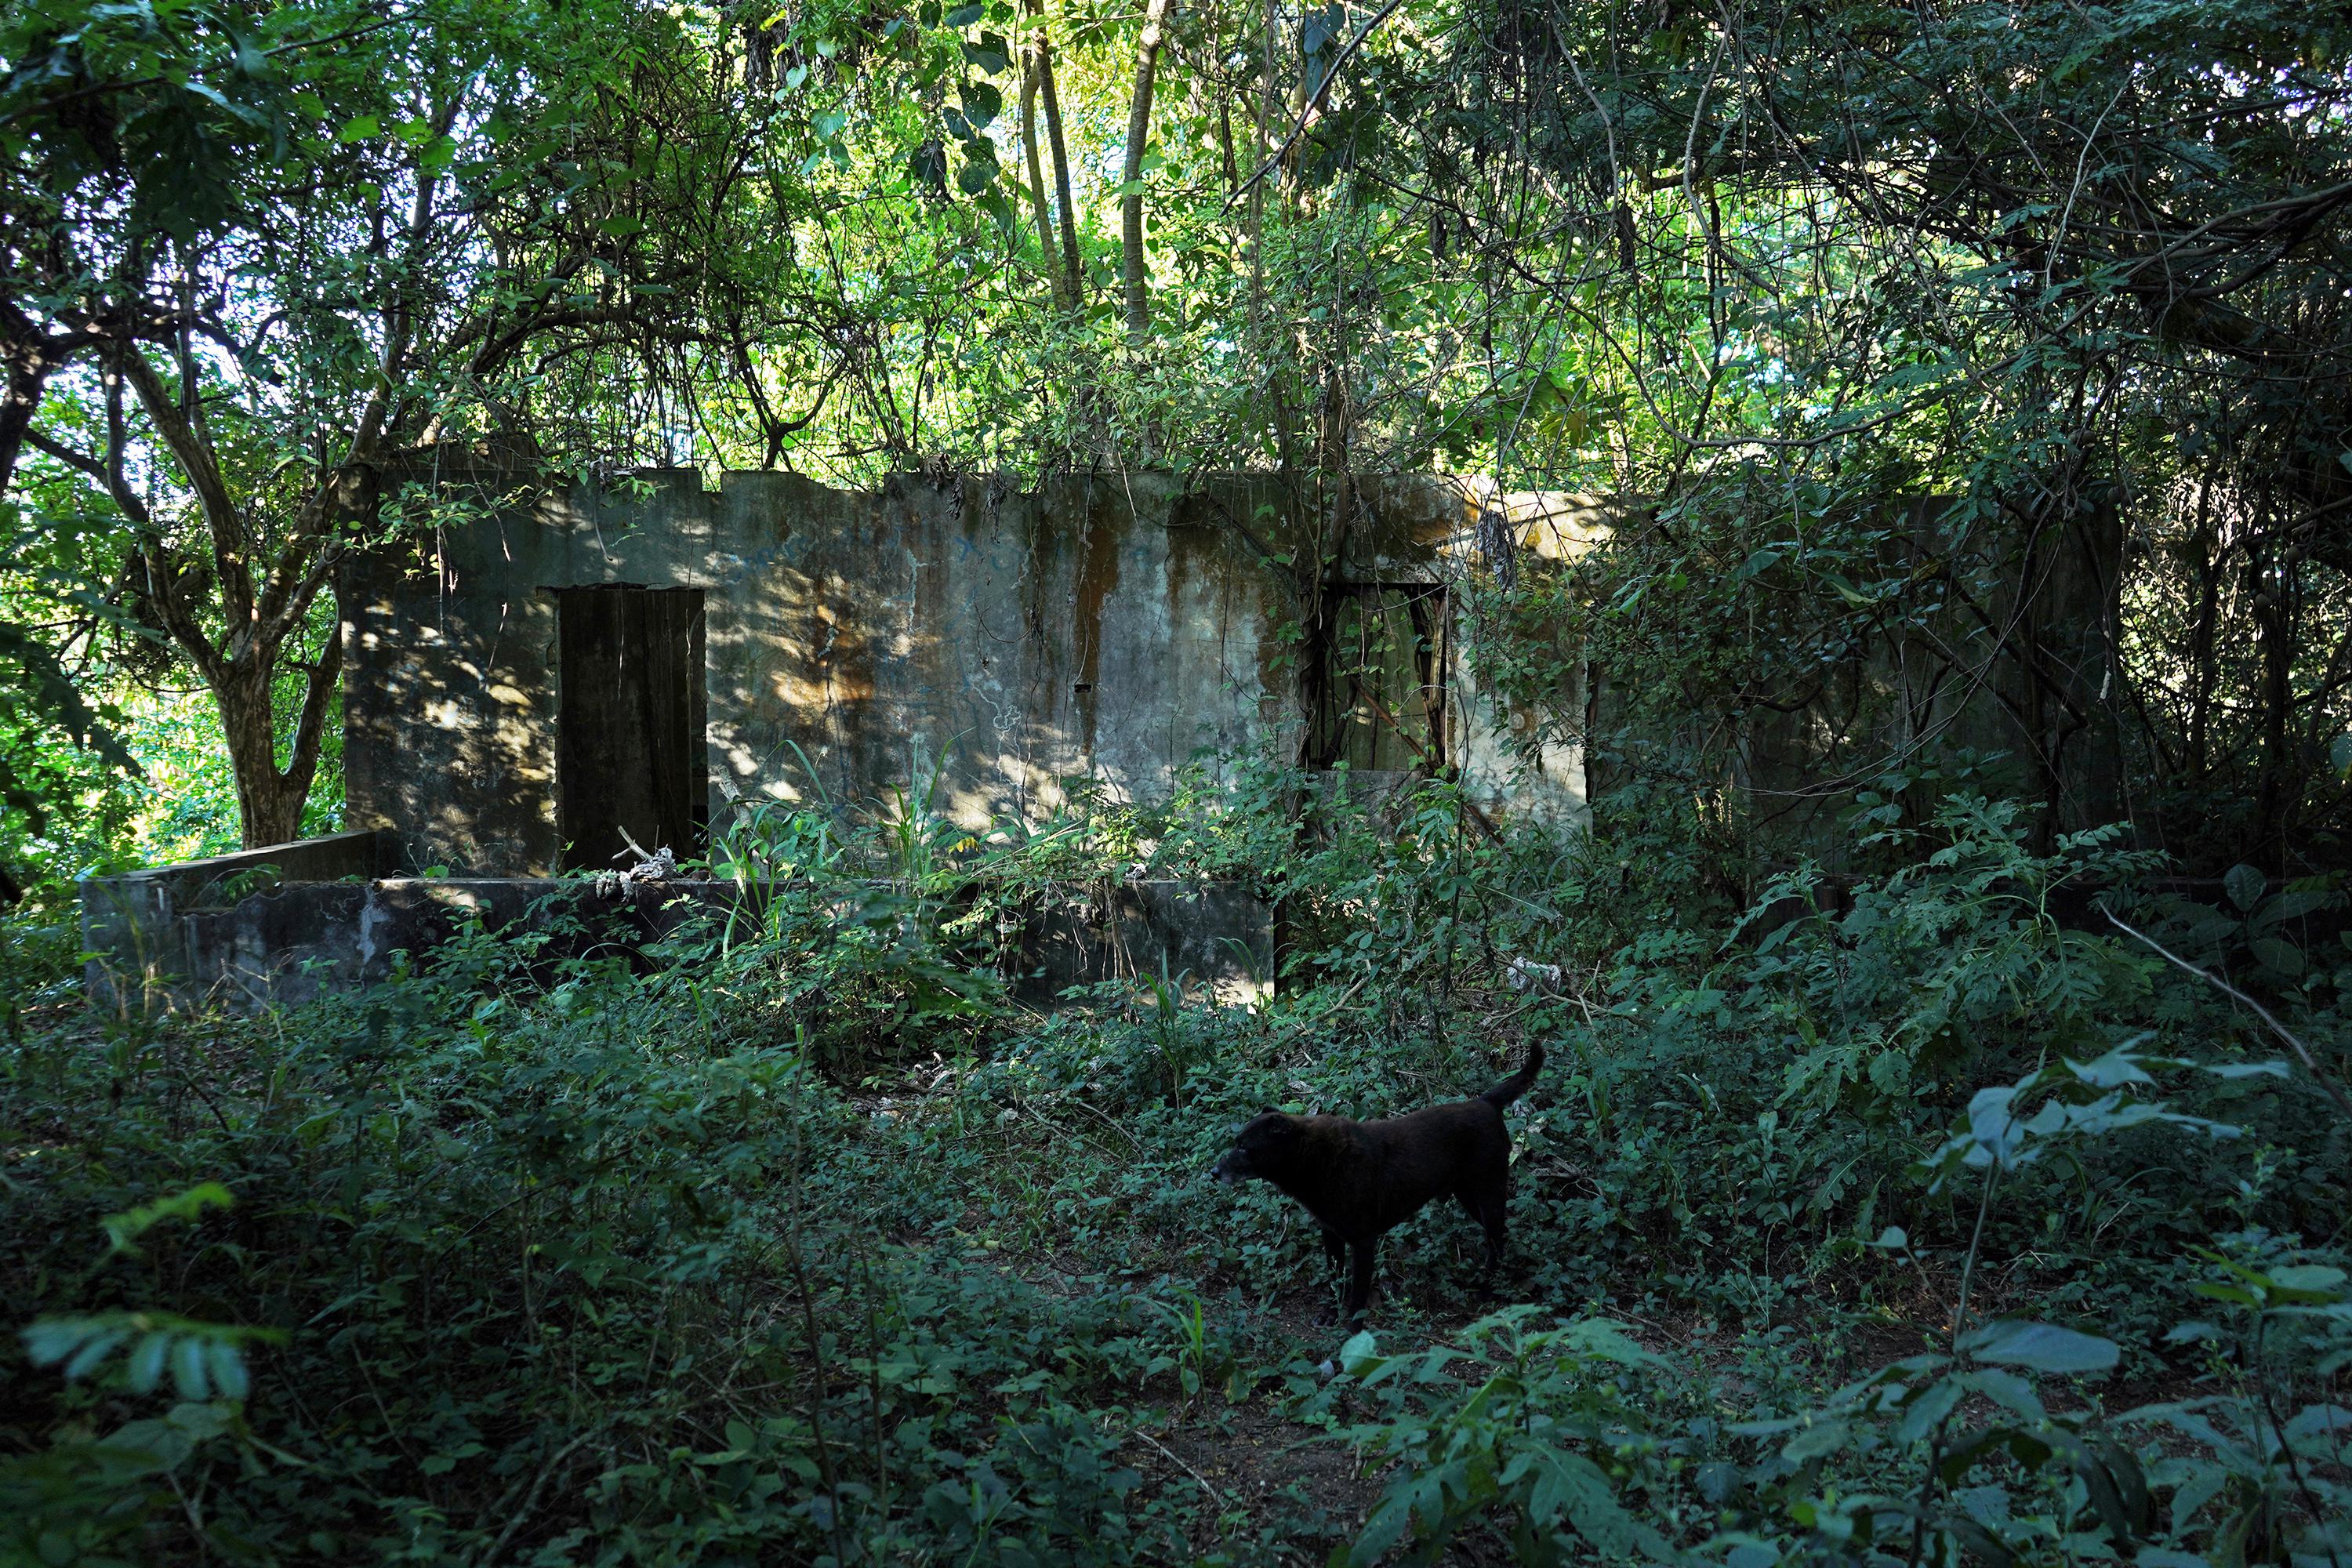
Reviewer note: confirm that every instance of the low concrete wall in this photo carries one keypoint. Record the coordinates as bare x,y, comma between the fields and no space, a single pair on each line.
295,941
135,926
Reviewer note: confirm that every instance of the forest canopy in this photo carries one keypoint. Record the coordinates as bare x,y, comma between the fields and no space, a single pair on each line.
1772,271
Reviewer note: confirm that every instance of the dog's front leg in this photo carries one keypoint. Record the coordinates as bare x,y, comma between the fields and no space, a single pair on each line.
1335,1251
1359,1280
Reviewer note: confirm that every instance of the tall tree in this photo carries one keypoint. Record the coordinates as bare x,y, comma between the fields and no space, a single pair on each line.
1133,273
482,212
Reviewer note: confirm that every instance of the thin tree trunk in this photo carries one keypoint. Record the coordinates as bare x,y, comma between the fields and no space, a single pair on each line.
2274,572
1226,143
1131,199
2203,676
1054,144
29,358
1054,276
26,377
265,814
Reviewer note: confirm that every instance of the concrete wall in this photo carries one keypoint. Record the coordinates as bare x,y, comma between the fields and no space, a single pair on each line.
2017,661
1003,642
141,927
189,937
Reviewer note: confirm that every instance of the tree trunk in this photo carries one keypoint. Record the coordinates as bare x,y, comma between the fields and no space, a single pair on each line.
25,380
269,799
2203,669
1054,276
28,360
2274,573
1131,199
1077,278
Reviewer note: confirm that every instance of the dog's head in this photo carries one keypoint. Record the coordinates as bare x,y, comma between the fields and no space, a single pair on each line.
1259,1149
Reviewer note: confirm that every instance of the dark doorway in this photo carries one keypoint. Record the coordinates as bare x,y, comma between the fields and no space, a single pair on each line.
629,736
1378,699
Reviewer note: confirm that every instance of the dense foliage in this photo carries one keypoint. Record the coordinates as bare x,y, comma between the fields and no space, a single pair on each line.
1946,1151
1778,276
799,1242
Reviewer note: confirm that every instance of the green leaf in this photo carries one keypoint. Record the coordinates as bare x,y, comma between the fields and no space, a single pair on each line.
93,1352
123,1229
359,128
2313,1422
2277,954
189,1373
1816,1439
2006,1389
226,1364
927,166
2289,907
2040,1347
2245,885
146,1369
963,16
989,55
2306,1284
1926,1411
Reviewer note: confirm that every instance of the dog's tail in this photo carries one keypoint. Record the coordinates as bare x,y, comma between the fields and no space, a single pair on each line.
1511,1087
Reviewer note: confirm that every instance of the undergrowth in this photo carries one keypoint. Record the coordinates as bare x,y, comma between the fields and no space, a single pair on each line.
1936,1220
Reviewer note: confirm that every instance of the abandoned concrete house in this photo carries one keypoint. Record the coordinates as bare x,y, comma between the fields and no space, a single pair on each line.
562,673
530,690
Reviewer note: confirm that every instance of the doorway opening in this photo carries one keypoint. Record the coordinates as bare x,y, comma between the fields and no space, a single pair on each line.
630,751
1378,701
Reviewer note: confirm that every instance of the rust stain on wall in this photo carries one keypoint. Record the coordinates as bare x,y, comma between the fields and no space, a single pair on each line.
1097,578
1021,637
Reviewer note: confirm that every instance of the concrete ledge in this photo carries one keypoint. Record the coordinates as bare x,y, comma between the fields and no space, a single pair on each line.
133,925
295,941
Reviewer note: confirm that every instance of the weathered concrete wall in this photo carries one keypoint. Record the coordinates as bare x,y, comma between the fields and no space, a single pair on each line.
296,940
998,642
139,927
2017,661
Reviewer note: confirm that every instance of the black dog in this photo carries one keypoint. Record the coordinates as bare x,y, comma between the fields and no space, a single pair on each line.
1362,1179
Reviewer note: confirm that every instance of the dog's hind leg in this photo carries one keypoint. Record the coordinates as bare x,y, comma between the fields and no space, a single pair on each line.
1487,1207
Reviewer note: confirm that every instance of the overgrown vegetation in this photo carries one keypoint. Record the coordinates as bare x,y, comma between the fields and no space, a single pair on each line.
1944,1156
1934,1228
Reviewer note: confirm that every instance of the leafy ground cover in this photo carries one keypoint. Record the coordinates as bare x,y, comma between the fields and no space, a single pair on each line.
1931,1228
